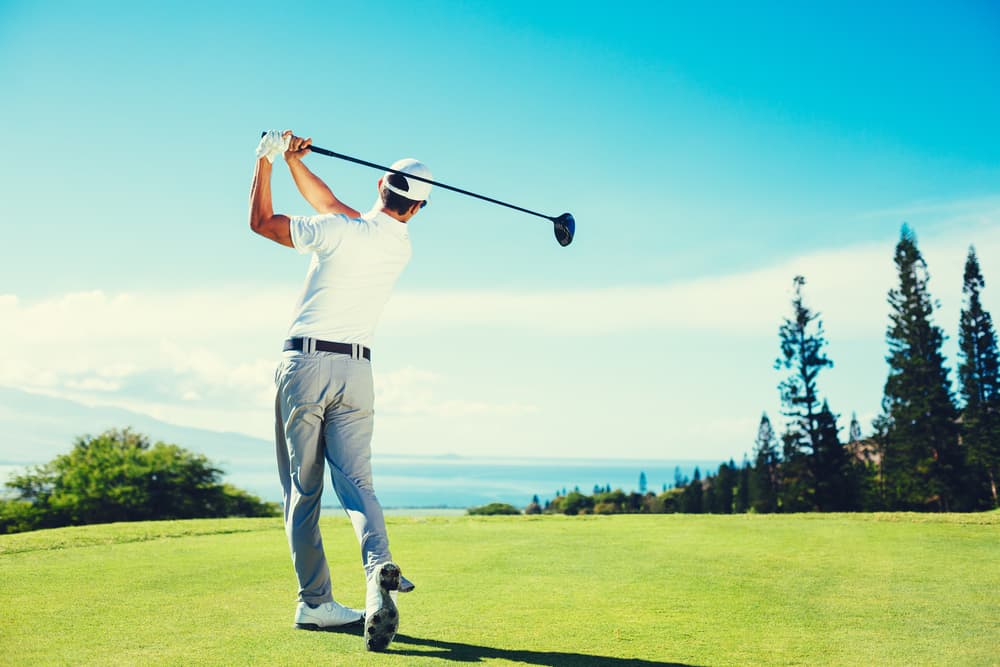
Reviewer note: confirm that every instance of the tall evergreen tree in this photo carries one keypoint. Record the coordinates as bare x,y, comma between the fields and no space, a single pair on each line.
795,482
692,500
764,476
831,467
710,504
680,479
922,463
742,501
979,377
802,342
724,488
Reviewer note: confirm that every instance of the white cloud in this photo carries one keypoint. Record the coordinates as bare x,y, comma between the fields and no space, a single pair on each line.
96,316
413,392
199,359
206,358
848,286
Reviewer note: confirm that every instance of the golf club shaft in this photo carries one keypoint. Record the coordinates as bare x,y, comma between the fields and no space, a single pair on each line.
341,156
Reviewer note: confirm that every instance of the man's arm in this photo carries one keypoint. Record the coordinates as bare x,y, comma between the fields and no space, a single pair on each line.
262,217
309,184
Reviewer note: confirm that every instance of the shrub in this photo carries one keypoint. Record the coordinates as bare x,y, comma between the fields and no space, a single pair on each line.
576,503
606,508
494,508
120,476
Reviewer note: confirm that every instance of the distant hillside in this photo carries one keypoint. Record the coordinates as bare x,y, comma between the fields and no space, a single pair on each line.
36,428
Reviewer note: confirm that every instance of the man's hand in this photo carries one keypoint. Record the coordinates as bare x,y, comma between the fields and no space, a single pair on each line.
272,144
297,146
262,217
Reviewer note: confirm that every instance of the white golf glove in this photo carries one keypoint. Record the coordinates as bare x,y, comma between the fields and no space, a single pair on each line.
271,145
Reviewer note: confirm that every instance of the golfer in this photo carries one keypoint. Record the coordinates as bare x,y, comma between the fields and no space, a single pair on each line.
324,403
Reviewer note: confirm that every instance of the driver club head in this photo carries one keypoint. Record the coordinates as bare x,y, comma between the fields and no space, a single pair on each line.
565,228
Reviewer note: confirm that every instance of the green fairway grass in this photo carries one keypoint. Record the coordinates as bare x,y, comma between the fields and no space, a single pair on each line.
881,589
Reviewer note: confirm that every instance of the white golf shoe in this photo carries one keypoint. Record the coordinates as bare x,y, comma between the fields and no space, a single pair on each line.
381,615
325,616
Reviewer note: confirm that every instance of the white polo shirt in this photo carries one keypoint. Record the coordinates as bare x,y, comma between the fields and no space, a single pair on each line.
355,263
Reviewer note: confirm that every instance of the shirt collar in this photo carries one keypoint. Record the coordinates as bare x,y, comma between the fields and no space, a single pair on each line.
377,216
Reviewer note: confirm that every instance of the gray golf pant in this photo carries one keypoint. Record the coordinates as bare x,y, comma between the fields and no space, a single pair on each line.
324,414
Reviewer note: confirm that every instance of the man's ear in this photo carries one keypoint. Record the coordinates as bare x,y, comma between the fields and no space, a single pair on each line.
416,207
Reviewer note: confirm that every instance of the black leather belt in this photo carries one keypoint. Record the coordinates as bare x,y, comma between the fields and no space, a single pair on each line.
354,350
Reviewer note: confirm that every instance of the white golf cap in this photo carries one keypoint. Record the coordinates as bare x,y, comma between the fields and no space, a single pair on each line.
416,190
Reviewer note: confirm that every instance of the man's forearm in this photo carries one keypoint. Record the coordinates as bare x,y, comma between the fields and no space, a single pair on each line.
261,207
315,191
262,218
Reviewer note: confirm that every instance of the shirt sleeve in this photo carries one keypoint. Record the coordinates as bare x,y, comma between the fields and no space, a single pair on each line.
317,233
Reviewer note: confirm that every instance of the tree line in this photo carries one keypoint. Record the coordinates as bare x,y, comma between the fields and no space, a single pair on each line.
930,449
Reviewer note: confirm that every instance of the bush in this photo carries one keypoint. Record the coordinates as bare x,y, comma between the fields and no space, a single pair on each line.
606,508
16,516
610,502
670,500
652,504
494,508
576,503
120,476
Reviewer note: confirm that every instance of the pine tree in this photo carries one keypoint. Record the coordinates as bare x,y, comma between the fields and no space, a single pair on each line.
680,479
724,488
764,476
831,467
692,499
921,463
795,484
979,377
802,343
710,501
742,501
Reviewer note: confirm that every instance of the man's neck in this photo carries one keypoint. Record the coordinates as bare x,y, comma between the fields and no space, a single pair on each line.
392,214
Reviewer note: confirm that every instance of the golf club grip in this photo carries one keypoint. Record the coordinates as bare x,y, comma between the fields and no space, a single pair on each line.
348,158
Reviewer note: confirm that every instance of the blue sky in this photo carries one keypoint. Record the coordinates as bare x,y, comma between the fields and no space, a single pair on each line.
708,154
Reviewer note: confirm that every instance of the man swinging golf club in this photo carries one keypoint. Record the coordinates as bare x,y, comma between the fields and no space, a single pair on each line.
323,408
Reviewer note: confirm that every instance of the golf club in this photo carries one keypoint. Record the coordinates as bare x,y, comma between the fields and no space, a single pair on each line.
564,225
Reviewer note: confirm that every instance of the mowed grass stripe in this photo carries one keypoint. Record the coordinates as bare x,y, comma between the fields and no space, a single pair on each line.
119,533
619,590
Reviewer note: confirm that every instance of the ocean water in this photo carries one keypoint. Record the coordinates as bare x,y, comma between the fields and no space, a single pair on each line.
409,482
461,482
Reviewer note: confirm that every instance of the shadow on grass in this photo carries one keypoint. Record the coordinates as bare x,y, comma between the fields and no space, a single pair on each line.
457,652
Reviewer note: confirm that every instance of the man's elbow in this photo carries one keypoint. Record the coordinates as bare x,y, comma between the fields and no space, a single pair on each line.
255,224
274,227
259,224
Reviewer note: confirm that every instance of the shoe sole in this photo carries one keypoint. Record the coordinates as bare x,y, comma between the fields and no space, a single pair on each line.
380,628
327,628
